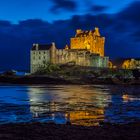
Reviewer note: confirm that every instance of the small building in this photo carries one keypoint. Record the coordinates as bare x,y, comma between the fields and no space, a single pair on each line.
127,63
131,64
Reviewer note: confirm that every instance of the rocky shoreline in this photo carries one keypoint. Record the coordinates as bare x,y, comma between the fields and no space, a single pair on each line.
38,131
64,81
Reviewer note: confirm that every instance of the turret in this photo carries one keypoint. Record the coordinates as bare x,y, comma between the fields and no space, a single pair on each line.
97,33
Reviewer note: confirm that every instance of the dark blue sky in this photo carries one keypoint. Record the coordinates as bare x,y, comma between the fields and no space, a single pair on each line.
16,10
25,22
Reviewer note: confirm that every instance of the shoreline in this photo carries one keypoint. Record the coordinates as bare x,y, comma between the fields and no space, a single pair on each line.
42,131
35,80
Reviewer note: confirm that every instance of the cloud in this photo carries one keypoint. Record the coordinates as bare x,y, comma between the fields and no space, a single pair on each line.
33,23
98,8
122,32
5,23
131,13
68,5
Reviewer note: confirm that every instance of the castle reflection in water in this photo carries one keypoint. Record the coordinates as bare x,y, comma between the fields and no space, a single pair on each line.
75,104
80,105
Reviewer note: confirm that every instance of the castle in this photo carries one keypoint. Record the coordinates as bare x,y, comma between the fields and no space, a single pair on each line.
86,49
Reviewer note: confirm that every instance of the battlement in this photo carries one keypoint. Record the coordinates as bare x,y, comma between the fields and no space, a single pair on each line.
82,33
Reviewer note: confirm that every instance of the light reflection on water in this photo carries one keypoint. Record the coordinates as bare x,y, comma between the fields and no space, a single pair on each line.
78,104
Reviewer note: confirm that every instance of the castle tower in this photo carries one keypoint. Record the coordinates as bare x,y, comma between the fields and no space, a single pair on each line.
89,40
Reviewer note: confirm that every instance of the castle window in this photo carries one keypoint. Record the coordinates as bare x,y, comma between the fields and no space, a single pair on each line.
39,57
44,57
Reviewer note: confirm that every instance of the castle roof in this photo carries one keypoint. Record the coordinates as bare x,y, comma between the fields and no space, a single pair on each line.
41,47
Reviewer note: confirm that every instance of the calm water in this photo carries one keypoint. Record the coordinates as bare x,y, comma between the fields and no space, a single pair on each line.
80,105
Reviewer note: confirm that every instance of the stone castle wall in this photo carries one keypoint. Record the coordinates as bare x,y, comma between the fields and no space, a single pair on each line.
62,56
38,58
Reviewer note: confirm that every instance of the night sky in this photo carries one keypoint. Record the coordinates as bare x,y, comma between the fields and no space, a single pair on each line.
24,22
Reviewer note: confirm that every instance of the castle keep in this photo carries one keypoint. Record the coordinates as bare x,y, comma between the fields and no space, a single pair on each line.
89,40
86,49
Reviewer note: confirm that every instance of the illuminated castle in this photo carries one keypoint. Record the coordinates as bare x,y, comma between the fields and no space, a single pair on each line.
86,49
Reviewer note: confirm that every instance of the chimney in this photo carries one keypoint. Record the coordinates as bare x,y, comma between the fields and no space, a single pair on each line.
78,31
53,44
37,47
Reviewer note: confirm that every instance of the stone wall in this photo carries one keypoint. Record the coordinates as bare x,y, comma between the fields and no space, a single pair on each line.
80,57
100,62
62,56
39,58
77,56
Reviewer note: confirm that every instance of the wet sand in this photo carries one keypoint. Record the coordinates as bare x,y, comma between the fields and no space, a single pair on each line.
38,131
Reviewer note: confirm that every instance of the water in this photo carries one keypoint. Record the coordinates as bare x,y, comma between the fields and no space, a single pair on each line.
79,104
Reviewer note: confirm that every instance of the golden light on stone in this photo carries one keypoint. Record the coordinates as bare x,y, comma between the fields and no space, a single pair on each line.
90,40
